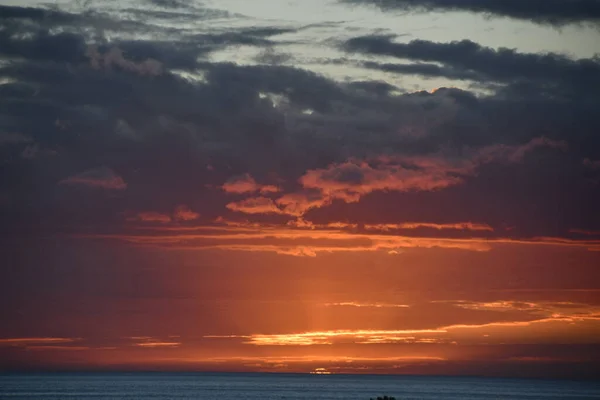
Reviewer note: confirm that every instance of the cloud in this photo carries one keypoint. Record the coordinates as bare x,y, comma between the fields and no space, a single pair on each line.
158,344
297,204
585,232
330,337
43,344
13,138
556,13
517,153
150,216
58,348
26,341
101,178
302,223
341,150
114,58
417,225
246,184
346,363
557,310
255,205
34,151
168,3
40,45
183,213
270,56
553,73
312,242
591,164
196,110
366,305
554,328
351,180
151,343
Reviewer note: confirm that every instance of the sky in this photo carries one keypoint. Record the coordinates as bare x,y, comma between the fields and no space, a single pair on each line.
342,186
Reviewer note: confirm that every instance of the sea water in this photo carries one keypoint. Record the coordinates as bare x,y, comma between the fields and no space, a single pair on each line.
134,386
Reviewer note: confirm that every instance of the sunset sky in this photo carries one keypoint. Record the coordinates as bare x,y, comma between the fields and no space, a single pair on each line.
348,186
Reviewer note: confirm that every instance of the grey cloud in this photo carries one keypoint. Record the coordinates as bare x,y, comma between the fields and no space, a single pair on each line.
162,131
114,57
58,35
424,69
42,46
90,23
270,56
37,14
554,73
376,87
552,12
168,3
101,177
188,15
13,138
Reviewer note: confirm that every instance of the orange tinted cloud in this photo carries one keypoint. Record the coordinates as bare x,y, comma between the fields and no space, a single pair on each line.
246,184
255,205
469,226
337,336
102,178
150,216
297,204
158,344
310,242
237,224
368,305
302,223
43,343
150,342
183,213
572,328
549,309
351,180
290,241
282,360
35,341
58,348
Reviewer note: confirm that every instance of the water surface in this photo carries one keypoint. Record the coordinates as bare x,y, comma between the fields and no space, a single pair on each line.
134,386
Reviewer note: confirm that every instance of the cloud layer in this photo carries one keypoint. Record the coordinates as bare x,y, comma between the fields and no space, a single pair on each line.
273,188
539,11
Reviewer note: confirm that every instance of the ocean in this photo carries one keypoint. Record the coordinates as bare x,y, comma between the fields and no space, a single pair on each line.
134,386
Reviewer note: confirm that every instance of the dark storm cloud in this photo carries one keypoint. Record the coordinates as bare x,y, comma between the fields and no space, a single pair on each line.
119,112
102,177
43,46
91,22
552,12
37,14
375,87
168,3
31,33
469,60
426,70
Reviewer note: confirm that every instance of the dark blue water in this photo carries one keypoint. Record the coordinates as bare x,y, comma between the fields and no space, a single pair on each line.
270,386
